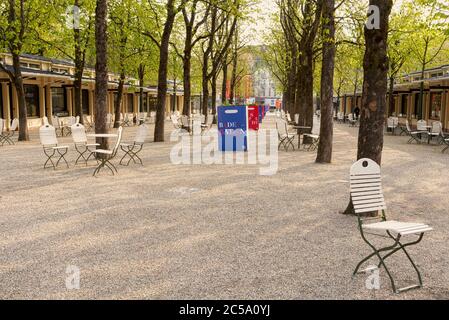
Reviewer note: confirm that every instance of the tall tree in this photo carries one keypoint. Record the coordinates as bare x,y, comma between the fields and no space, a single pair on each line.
327,83
16,20
171,10
374,97
101,70
195,15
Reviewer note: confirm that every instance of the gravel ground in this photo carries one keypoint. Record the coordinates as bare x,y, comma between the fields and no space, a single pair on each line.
165,231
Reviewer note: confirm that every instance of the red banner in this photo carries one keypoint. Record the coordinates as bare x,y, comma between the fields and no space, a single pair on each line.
253,117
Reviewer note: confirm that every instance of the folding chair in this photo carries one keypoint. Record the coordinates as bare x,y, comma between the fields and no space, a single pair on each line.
126,120
414,135
367,197
352,121
88,124
437,128
392,123
67,128
108,155
132,150
49,142
205,127
57,125
185,123
84,149
175,121
314,138
2,124
446,142
285,138
6,137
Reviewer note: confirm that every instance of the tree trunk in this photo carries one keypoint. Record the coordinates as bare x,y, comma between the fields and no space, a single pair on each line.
233,77
304,92
391,96
18,83
374,97
224,85
101,70
79,67
187,84
118,102
141,72
205,84
421,95
214,92
162,74
327,84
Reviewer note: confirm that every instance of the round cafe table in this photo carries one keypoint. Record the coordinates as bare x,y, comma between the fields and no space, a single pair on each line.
300,130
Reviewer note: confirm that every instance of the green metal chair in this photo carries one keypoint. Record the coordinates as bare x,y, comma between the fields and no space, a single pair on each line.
367,197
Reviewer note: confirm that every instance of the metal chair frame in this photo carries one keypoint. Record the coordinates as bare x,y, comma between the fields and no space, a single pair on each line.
367,197
105,159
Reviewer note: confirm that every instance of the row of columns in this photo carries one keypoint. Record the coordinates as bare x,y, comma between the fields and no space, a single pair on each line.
46,107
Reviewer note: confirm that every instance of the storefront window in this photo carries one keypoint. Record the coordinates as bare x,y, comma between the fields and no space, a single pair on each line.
32,100
435,106
58,100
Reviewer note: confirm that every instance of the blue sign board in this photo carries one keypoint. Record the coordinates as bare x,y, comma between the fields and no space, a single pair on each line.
232,128
261,113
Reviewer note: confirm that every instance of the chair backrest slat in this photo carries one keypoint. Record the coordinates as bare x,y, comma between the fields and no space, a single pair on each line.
421,125
2,123
47,135
366,187
117,143
14,124
281,126
141,134
79,133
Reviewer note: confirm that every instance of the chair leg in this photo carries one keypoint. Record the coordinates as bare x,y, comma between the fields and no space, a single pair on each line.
49,159
376,252
402,247
62,157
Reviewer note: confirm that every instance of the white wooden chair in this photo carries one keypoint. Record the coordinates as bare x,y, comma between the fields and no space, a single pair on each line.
84,149
286,138
175,121
185,124
392,124
56,123
49,142
421,125
367,197
437,128
352,121
414,135
6,136
105,156
314,137
205,127
132,150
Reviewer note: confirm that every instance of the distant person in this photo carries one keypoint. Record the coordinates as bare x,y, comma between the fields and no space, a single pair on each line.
357,112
